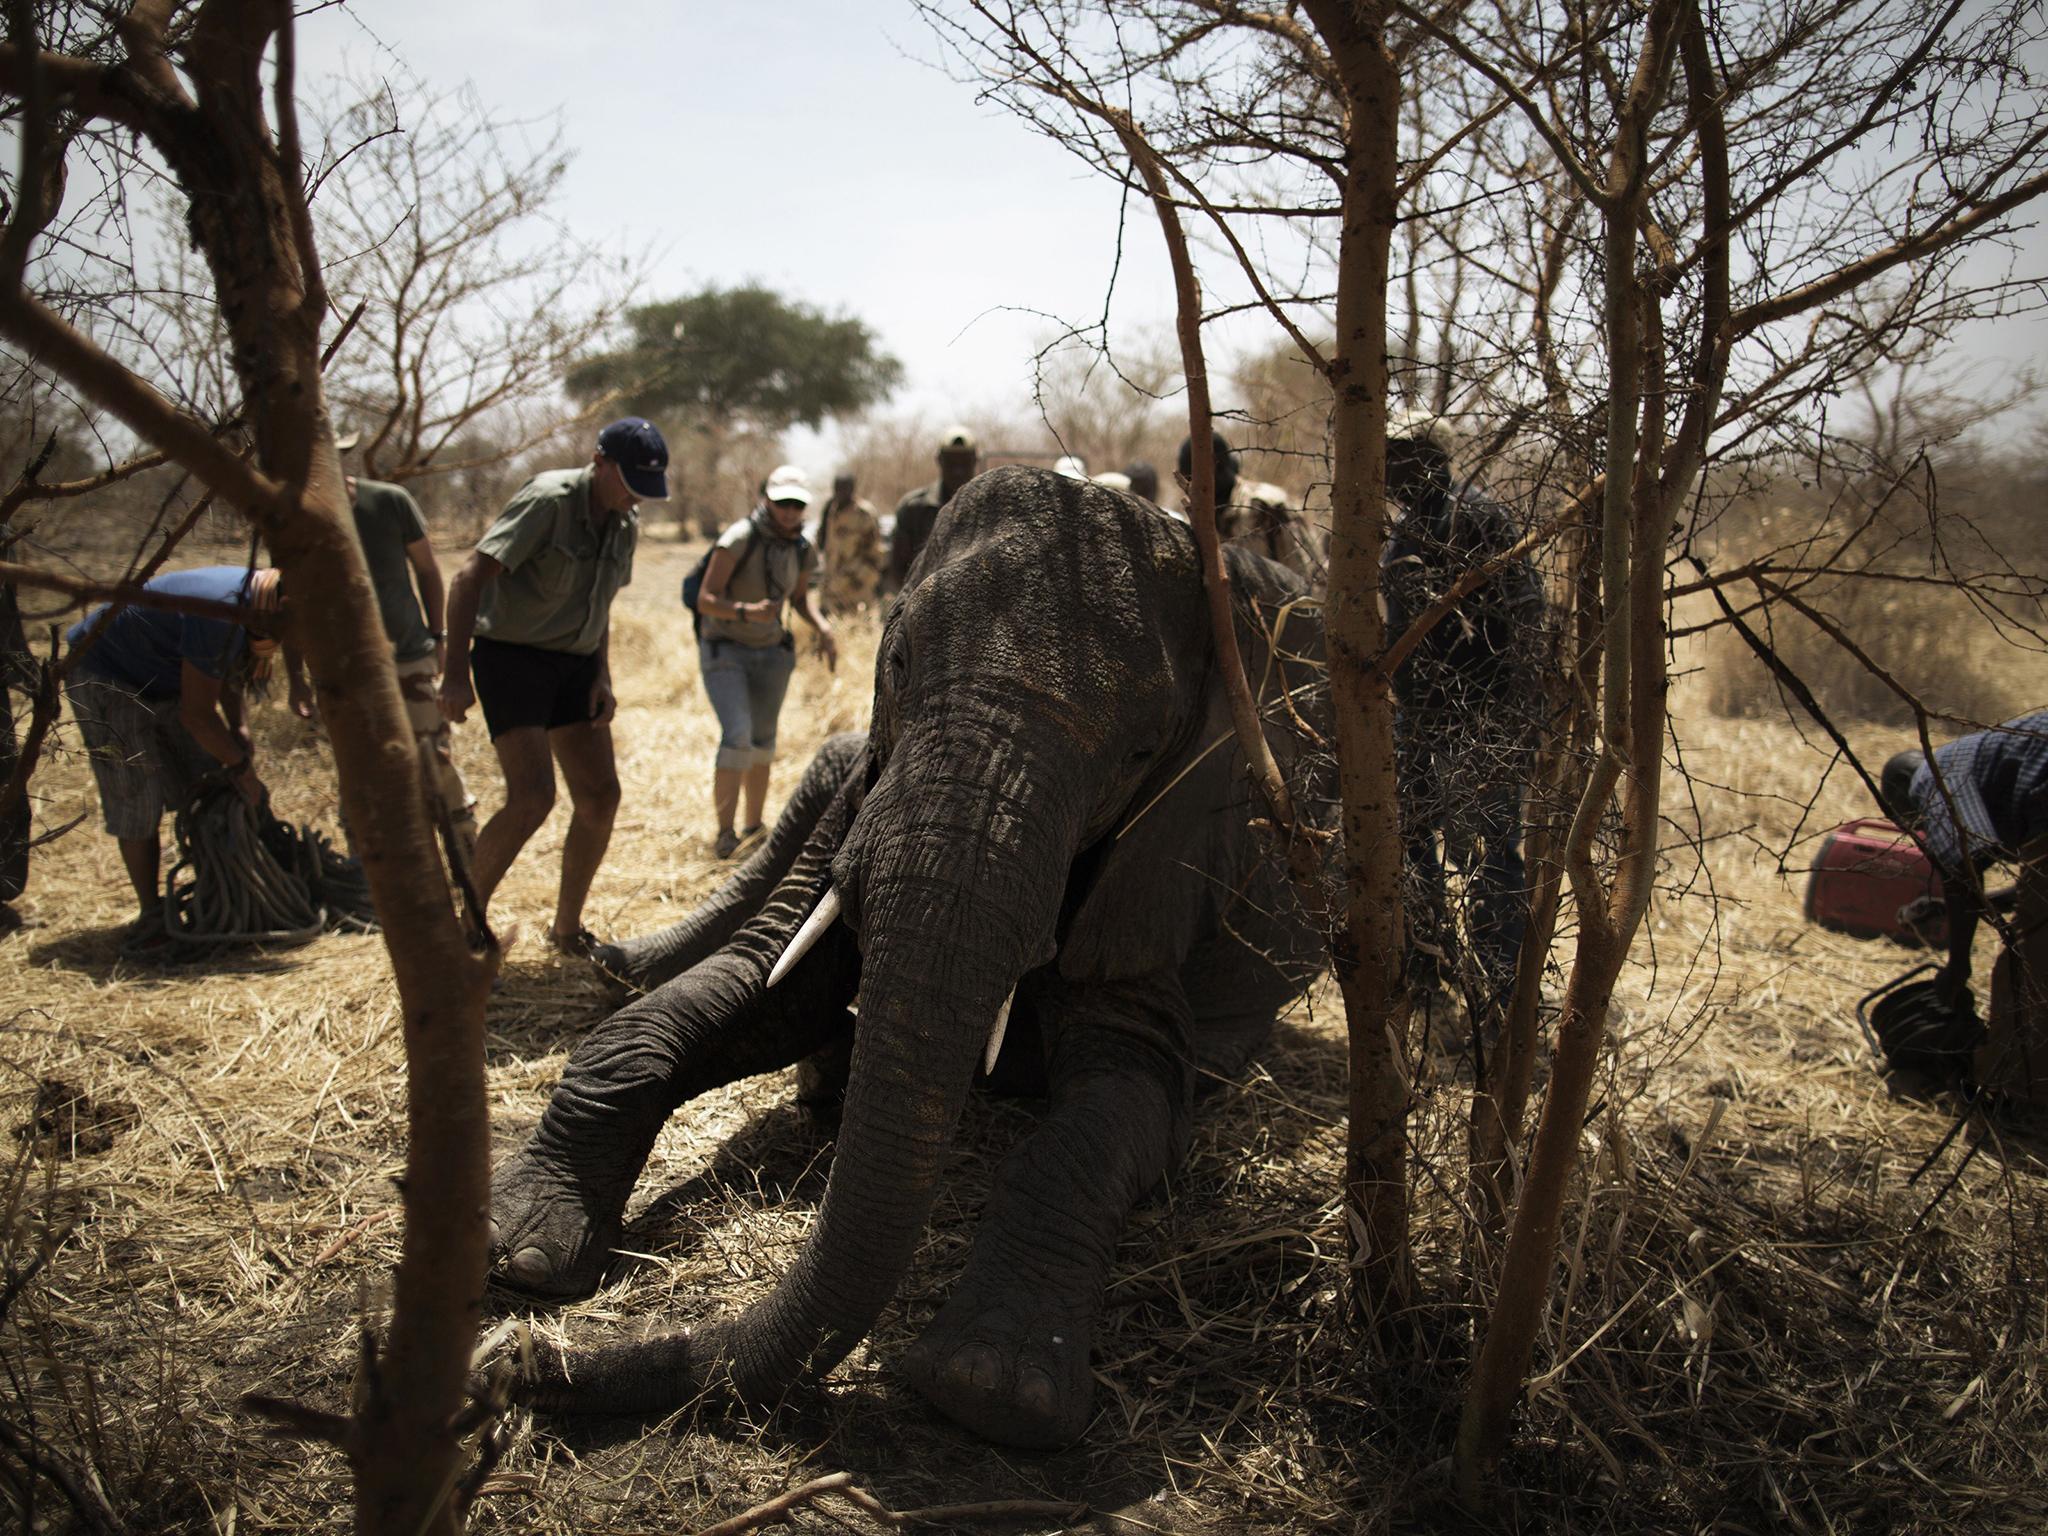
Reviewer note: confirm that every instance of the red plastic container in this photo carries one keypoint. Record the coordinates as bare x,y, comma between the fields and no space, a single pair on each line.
1865,871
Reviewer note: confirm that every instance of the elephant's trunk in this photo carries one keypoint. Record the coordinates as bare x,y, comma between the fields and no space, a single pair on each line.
954,887
943,945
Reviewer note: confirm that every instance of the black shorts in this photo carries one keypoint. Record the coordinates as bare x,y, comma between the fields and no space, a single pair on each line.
522,685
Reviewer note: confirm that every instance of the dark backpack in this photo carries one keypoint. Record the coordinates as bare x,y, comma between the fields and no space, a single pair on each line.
693,582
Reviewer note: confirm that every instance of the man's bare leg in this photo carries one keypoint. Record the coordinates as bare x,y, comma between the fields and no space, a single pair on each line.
588,768
529,796
142,858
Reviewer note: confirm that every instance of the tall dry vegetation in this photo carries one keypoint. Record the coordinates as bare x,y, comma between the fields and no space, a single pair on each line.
1936,568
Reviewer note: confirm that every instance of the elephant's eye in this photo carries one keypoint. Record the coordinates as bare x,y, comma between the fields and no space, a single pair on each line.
899,669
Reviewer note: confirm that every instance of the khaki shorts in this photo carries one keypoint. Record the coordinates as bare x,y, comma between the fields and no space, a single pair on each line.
143,759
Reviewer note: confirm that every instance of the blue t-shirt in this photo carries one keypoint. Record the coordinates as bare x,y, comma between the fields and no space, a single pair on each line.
147,648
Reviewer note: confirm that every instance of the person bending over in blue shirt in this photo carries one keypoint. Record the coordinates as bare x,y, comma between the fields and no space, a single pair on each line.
158,700
1981,800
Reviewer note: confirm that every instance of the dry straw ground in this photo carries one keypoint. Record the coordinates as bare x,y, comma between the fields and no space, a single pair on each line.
1767,1322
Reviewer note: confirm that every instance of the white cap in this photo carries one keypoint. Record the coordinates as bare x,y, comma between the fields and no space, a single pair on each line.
786,483
1115,479
1418,424
1070,466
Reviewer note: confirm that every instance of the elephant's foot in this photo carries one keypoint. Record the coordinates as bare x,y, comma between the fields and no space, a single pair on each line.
821,1077
1008,1365
550,1237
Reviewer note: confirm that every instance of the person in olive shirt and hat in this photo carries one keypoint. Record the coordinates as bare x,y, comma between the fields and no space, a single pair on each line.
537,596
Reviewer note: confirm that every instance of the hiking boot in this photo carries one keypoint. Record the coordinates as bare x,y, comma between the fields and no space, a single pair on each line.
727,845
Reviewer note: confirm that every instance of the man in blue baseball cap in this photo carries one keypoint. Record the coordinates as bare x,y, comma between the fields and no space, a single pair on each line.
529,636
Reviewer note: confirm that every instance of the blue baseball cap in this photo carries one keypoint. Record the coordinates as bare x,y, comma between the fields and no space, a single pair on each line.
635,444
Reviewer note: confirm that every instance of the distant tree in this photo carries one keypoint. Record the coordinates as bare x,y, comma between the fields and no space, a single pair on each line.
1108,412
732,361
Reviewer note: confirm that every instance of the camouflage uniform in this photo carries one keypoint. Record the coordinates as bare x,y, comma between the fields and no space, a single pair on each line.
850,540
1264,519
1469,704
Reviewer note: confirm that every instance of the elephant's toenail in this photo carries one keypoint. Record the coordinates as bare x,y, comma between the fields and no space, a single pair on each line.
978,1366
530,1266
1035,1394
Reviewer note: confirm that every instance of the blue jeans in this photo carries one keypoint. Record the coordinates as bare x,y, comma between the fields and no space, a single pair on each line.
745,684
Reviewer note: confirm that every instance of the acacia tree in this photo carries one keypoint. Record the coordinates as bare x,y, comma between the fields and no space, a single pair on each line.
205,96
731,360
1730,166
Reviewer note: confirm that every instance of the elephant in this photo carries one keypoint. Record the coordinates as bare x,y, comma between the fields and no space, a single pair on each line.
1041,866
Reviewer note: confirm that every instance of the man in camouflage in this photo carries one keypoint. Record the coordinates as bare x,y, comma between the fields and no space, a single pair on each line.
850,543
958,459
1468,712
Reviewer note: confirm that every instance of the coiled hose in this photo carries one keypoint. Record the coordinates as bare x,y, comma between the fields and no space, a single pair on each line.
244,877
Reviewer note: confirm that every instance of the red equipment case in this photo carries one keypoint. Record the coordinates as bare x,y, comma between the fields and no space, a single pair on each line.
1865,871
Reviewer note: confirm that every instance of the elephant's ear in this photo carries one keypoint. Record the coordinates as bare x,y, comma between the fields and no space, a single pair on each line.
1186,845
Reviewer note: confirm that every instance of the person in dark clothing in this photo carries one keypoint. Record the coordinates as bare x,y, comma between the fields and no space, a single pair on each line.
1467,712
958,460
1981,800
1144,480
1256,515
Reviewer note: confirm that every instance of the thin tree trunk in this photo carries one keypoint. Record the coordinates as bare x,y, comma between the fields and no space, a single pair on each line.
1500,1097
1369,947
248,217
1634,529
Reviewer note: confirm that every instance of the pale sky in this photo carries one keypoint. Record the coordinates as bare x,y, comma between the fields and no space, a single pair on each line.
809,145
795,142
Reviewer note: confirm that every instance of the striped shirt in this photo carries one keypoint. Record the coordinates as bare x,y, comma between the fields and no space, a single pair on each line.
1997,783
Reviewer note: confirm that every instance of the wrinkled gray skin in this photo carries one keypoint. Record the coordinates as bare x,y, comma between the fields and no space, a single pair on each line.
1045,675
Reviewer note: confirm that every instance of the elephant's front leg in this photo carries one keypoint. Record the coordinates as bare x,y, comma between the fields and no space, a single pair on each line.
646,962
557,1204
1008,1355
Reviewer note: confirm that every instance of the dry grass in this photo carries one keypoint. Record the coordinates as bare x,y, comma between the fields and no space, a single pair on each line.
1762,1326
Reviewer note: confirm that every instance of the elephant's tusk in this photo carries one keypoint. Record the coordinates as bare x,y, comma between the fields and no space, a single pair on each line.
995,1036
824,917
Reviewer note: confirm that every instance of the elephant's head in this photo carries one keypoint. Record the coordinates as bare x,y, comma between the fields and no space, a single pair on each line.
1044,696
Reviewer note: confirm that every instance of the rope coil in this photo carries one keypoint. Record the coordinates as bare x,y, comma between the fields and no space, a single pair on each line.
244,877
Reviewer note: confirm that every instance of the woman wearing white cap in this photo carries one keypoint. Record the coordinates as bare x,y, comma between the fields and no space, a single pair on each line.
761,563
